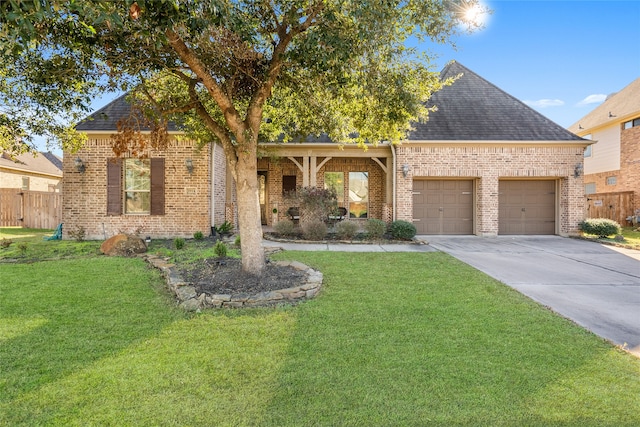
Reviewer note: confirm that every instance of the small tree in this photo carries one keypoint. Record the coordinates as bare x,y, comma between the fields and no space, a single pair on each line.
315,204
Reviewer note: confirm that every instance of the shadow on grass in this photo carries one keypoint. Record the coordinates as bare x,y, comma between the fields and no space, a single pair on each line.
422,339
57,317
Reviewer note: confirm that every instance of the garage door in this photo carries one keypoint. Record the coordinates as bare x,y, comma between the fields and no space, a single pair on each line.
527,207
443,206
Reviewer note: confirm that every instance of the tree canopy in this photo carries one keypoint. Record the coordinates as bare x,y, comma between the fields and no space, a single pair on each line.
231,71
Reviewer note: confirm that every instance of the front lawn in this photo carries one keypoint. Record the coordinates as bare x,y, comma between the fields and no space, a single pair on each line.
393,339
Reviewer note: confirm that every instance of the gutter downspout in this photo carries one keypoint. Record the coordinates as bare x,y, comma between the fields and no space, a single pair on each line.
393,153
213,185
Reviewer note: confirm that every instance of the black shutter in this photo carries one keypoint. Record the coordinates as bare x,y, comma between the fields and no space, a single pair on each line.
114,187
157,186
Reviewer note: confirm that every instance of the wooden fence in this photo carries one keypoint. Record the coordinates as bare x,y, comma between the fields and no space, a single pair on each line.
31,209
615,206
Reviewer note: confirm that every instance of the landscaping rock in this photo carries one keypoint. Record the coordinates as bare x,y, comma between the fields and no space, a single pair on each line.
123,245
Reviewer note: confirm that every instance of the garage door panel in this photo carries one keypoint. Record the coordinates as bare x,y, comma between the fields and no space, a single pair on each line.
445,208
527,207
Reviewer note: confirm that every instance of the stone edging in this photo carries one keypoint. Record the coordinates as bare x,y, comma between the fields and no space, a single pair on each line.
188,298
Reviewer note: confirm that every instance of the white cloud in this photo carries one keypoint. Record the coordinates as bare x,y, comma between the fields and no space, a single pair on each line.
544,103
593,99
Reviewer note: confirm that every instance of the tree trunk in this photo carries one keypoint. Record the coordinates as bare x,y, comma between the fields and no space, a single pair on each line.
249,213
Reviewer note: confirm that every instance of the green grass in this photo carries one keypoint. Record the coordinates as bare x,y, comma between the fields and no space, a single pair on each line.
28,244
393,339
631,238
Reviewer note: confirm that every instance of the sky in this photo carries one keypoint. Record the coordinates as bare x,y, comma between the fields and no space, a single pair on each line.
561,58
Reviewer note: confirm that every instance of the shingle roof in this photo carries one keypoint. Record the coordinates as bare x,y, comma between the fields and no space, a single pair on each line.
44,163
473,109
107,118
625,103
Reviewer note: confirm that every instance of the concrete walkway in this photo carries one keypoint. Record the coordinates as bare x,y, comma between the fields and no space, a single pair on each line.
597,286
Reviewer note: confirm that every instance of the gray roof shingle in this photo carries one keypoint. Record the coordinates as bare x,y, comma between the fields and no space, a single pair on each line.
107,117
473,109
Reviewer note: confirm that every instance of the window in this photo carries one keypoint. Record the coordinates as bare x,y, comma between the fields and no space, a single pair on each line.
587,150
335,181
612,180
288,184
135,186
631,123
25,183
358,194
590,188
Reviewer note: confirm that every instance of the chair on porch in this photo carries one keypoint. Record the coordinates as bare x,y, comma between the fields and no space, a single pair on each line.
338,215
294,213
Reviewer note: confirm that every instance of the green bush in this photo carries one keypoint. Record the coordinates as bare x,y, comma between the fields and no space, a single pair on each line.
601,227
285,228
220,249
314,230
5,243
375,228
198,235
237,241
402,230
346,230
178,243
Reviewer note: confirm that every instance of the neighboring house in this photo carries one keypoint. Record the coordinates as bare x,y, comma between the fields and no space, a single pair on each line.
612,163
484,164
42,172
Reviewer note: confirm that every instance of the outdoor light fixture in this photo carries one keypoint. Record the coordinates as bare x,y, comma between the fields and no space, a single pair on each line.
405,170
578,170
147,240
612,115
189,164
79,164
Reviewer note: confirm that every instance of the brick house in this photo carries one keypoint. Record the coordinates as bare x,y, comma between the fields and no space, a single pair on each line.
612,163
42,172
484,164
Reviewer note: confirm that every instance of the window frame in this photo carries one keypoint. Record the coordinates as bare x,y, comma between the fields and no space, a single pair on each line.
364,214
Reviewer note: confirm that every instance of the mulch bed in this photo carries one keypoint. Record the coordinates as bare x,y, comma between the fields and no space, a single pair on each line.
225,276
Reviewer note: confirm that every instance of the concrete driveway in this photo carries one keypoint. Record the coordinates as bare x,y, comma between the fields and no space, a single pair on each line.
597,286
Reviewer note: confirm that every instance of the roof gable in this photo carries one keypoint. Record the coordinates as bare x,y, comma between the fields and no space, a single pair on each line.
473,109
107,117
43,163
625,103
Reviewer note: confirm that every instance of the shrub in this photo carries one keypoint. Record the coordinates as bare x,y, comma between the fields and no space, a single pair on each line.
402,230
5,243
220,249
346,230
237,241
601,227
285,228
178,243
198,235
224,228
314,230
375,228
23,247
78,233
315,203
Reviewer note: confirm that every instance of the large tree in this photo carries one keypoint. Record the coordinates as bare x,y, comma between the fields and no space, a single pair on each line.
232,71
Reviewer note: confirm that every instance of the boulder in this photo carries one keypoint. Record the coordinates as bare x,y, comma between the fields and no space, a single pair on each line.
123,245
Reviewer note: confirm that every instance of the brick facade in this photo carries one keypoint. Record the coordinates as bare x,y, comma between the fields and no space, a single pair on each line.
276,169
628,176
187,196
487,165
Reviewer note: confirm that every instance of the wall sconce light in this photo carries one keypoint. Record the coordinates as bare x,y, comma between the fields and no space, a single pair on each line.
612,115
578,170
79,164
405,170
189,164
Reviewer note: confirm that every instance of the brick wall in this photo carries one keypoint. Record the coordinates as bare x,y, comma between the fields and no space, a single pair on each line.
487,164
277,169
187,196
628,176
